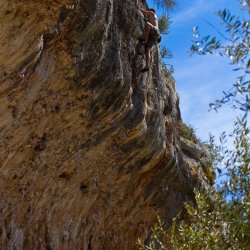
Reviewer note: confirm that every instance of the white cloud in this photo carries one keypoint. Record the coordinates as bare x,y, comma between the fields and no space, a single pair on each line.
197,8
191,12
200,80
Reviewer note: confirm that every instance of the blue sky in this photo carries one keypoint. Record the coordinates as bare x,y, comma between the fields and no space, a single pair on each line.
200,79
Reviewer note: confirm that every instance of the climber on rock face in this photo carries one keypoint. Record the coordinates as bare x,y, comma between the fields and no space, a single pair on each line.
151,34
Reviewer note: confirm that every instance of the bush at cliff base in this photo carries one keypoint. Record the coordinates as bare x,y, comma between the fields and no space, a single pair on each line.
220,218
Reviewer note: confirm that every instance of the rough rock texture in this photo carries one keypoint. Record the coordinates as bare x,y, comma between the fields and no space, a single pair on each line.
90,150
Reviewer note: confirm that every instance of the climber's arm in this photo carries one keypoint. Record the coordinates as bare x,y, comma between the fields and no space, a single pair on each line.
143,11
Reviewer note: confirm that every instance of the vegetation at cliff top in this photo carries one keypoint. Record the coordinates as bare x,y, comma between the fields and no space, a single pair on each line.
165,3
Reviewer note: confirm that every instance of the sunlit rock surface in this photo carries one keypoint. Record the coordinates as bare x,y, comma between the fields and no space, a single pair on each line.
91,150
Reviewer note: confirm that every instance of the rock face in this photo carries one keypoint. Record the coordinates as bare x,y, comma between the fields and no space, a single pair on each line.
91,150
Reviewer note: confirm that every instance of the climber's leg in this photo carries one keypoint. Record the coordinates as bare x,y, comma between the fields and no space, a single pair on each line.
148,45
147,59
150,56
147,31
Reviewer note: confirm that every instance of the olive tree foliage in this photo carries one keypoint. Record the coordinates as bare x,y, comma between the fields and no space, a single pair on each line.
236,163
235,46
209,226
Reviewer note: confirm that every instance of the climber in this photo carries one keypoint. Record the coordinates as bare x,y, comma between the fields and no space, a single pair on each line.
151,34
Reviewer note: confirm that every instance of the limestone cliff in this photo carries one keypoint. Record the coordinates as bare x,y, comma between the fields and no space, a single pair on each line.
91,150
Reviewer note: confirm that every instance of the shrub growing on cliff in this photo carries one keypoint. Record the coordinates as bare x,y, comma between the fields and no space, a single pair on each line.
188,132
164,24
